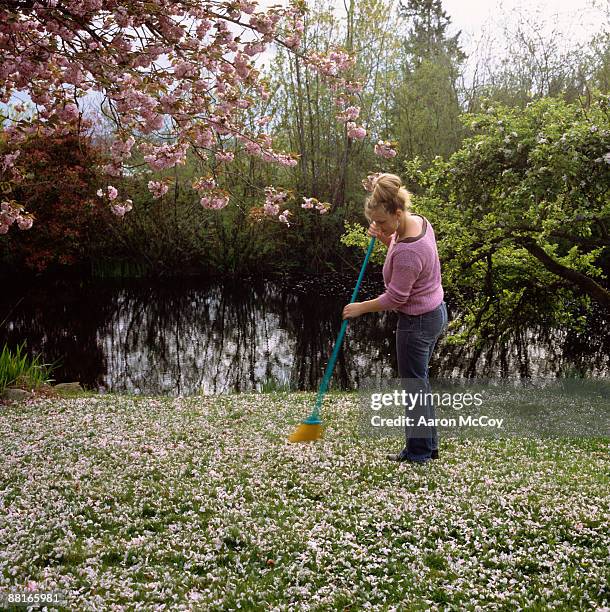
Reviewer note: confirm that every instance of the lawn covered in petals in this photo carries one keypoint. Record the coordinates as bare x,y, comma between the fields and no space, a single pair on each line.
201,503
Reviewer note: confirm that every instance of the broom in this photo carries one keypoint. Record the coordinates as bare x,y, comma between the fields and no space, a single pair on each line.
311,427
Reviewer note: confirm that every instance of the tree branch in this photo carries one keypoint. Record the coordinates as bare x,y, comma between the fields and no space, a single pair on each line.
583,282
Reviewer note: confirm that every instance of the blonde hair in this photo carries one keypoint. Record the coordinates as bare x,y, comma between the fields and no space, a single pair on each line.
389,194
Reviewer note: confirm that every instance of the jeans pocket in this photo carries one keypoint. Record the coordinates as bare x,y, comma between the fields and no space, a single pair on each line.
433,324
408,323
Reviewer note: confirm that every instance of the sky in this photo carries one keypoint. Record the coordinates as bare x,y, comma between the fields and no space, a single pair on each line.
484,24
577,20
568,23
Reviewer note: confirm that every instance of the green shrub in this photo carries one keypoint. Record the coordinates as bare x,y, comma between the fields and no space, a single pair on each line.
17,368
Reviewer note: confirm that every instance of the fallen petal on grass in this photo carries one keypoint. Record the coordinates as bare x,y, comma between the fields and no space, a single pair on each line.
175,502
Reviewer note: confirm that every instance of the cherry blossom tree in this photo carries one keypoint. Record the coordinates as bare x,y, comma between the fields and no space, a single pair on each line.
175,76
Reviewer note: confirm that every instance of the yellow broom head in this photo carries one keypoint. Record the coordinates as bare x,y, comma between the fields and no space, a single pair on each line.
306,432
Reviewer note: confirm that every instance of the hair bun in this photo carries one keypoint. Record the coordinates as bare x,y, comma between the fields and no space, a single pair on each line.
387,186
387,192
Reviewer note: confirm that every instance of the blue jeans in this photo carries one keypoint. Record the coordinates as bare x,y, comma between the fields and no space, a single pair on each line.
416,337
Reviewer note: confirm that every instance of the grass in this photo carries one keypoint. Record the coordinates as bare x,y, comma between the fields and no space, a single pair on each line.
201,503
19,369
274,385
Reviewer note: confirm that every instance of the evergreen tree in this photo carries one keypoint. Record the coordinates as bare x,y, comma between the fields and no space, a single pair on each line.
428,38
426,107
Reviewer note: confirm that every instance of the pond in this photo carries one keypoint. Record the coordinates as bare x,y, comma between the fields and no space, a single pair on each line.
180,337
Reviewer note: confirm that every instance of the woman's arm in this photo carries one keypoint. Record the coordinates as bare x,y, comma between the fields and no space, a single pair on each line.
404,274
356,309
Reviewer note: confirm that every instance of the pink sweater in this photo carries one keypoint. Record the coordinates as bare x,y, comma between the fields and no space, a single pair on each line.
412,274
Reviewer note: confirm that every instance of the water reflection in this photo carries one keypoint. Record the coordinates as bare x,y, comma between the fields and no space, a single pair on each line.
185,337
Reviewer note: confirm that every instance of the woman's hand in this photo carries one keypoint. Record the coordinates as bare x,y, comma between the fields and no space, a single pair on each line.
353,310
377,233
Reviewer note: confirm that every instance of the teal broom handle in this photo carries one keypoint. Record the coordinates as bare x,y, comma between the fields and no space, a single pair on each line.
333,358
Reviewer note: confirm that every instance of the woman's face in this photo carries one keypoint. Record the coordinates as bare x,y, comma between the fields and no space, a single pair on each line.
386,222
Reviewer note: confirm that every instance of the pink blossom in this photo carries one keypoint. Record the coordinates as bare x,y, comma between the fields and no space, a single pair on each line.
273,196
323,207
331,64
286,160
165,156
7,218
254,48
385,149
215,202
341,59
40,97
152,122
271,209
122,148
184,69
25,223
227,69
349,114
309,202
8,161
292,42
199,98
225,156
264,24
204,184
113,168
273,199
158,188
247,7
253,148
356,132
203,28
9,213
369,182
204,137
167,103
74,75
120,209
242,66
69,112
353,87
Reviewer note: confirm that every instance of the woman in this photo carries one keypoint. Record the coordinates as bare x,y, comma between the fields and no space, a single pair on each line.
412,277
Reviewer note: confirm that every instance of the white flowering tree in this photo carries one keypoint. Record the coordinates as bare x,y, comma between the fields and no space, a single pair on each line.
523,209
